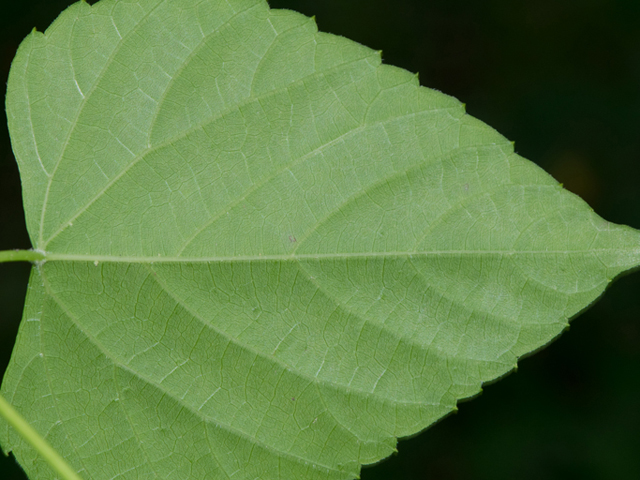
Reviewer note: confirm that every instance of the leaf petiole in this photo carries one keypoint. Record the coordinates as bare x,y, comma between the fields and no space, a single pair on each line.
21,256
27,432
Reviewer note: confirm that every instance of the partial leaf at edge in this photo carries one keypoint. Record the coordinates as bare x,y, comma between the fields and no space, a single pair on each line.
268,255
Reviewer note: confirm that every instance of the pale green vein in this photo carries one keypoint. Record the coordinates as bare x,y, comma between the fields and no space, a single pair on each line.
64,257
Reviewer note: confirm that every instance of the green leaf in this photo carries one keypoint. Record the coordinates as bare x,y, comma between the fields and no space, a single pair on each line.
266,254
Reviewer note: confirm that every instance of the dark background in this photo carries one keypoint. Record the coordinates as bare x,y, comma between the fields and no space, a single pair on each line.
562,79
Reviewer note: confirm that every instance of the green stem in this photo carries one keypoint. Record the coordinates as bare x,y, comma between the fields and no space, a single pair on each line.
21,256
26,431
13,418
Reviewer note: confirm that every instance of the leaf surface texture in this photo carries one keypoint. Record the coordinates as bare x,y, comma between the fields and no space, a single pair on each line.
268,255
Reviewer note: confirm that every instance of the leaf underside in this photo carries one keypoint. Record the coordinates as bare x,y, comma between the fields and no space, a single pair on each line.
268,255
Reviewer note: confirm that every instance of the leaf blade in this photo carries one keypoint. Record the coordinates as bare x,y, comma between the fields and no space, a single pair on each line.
286,265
